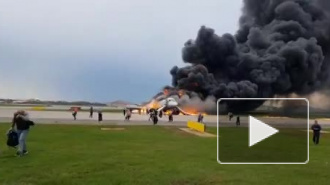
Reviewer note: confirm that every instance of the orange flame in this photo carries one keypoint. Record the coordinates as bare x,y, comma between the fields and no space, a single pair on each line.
190,110
193,111
168,112
154,104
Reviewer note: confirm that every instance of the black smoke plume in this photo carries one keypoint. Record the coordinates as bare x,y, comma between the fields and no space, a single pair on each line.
281,47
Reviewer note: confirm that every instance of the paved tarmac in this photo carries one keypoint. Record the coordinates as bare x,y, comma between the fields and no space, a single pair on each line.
65,117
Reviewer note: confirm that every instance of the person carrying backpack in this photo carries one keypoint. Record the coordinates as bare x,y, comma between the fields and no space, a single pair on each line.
22,124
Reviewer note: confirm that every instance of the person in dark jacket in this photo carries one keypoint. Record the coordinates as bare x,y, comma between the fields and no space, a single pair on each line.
22,124
230,115
154,119
128,114
200,118
316,132
74,114
100,116
151,114
170,117
91,112
238,121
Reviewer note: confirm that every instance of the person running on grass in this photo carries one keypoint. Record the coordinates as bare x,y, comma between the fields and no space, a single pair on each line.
22,124
316,132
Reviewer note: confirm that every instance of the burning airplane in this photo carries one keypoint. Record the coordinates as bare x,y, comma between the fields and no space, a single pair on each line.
167,105
282,47
177,102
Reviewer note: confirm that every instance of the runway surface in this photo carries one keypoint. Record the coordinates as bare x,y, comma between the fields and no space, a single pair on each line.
65,117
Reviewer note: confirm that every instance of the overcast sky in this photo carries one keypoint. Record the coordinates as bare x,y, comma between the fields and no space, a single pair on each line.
100,50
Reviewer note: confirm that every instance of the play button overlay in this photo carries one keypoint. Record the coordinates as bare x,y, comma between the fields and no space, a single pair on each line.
263,131
259,131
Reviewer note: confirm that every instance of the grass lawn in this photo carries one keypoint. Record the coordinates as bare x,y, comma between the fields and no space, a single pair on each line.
62,154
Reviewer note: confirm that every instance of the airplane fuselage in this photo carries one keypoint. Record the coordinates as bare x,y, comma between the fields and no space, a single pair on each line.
168,103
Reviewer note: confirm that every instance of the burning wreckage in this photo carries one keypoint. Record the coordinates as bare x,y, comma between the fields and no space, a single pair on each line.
282,48
171,101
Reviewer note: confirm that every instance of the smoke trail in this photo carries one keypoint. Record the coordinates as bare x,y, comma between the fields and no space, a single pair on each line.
282,47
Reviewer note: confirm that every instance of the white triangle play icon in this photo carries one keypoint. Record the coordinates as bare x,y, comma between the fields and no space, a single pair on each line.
259,131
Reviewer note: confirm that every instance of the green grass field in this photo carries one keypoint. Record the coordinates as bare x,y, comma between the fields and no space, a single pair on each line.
62,154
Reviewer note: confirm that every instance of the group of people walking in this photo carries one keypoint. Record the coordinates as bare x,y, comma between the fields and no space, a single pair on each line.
238,119
91,113
153,115
21,124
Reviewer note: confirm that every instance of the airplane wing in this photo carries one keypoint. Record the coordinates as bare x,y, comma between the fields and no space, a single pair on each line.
183,112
